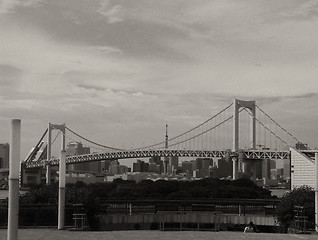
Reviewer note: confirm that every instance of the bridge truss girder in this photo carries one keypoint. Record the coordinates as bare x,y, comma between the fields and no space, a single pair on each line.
249,154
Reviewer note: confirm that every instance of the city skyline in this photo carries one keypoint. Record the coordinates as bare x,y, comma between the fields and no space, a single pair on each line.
117,71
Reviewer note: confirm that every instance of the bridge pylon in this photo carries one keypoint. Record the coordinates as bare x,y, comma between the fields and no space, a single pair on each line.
52,127
250,105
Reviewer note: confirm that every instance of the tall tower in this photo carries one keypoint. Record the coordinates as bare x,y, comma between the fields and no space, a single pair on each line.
166,143
250,105
166,159
52,127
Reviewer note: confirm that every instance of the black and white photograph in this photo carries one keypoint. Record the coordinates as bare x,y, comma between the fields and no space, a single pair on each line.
158,119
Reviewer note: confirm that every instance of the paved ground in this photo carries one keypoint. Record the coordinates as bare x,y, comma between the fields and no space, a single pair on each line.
54,234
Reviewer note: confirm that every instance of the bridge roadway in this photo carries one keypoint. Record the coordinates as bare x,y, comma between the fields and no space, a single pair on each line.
248,154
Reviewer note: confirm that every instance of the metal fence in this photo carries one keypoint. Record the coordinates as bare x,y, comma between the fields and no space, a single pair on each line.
225,206
37,214
47,214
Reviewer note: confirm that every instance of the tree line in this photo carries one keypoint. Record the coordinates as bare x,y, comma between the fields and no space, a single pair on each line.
147,189
92,195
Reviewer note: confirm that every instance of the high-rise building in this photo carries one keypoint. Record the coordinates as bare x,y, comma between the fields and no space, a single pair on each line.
156,160
188,167
116,168
173,164
77,148
4,155
225,168
198,164
266,169
140,166
158,164
203,167
105,165
154,168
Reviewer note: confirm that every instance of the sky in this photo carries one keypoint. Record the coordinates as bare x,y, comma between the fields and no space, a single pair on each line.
116,71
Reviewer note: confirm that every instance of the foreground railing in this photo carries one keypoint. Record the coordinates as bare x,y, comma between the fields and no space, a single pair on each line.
46,214
37,214
226,206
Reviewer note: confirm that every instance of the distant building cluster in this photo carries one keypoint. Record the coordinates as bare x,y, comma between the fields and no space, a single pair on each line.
4,155
4,164
263,172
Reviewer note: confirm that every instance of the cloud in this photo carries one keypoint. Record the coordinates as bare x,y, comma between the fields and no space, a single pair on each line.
9,75
126,65
9,6
89,87
303,10
114,13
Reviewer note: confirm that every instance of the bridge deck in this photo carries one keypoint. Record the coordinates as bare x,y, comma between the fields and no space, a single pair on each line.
248,154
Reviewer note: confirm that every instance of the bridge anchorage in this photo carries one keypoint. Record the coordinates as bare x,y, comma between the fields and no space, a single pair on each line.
241,133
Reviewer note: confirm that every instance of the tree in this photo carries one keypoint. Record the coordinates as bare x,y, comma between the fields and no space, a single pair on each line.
304,197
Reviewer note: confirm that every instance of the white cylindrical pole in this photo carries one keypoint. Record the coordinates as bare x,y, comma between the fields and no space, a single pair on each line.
48,154
62,173
316,192
14,172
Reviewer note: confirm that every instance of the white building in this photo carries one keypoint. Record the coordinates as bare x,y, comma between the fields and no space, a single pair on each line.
302,169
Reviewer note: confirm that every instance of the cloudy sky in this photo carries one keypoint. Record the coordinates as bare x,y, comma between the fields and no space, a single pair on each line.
116,71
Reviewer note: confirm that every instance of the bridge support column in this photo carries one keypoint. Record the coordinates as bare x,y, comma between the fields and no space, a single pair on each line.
51,127
48,174
234,157
61,208
235,169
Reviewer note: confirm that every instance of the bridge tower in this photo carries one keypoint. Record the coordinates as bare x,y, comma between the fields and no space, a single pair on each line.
52,127
250,105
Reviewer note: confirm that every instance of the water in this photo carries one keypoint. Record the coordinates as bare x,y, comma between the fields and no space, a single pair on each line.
53,234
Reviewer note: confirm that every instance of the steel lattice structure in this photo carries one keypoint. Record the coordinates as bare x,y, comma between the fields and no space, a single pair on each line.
182,145
249,154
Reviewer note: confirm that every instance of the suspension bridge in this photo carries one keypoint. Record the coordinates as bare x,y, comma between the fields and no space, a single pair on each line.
240,132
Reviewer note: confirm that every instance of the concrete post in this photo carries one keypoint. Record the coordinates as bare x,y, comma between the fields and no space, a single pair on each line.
48,154
14,169
316,192
62,173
